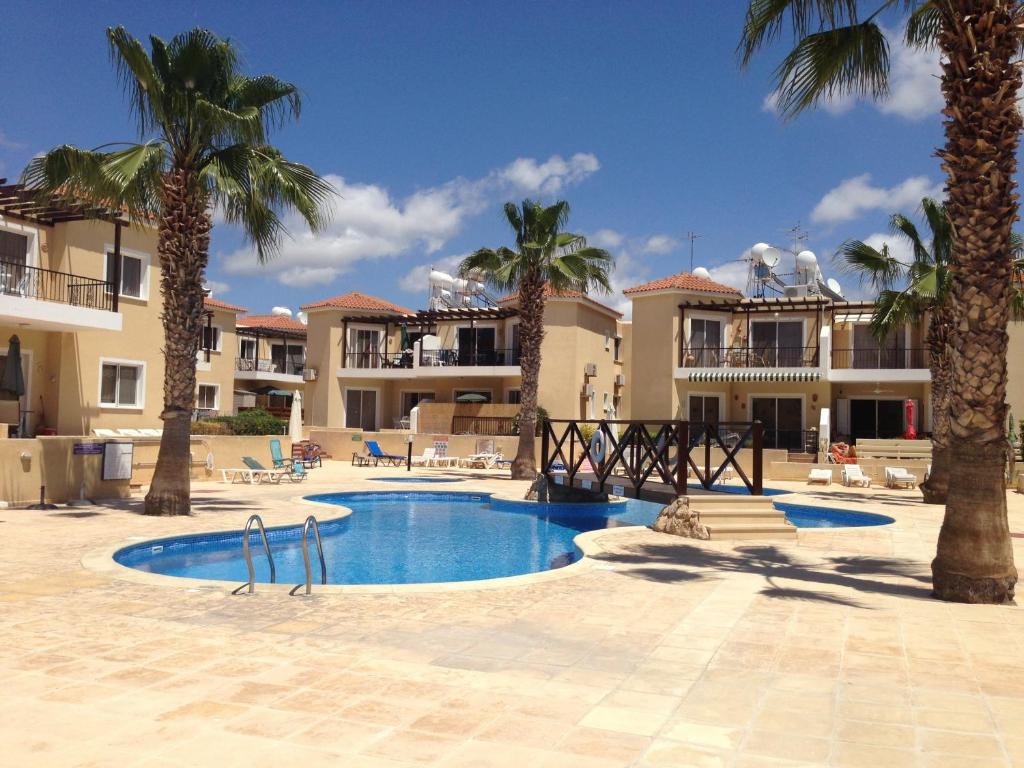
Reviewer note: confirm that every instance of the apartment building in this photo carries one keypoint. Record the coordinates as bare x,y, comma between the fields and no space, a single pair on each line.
371,361
80,289
711,354
270,362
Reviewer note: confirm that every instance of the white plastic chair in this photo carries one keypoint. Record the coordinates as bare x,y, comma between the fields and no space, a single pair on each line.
854,475
820,476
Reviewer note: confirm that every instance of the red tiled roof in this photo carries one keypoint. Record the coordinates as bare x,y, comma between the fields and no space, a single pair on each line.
271,322
211,303
356,300
551,293
684,281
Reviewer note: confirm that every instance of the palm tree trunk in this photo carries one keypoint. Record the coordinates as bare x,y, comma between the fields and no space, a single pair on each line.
531,334
183,246
980,82
936,488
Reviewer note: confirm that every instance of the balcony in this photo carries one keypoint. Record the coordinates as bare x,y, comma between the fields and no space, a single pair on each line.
48,300
878,365
744,364
430,362
262,369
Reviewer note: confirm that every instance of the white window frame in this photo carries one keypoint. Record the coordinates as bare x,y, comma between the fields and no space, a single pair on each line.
403,392
218,337
32,248
142,256
350,343
216,396
722,403
724,322
140,384
802,397
804,343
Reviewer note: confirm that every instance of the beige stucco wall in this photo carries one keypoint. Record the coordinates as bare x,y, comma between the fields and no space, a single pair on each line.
220,371
655,346
624,365
1015,372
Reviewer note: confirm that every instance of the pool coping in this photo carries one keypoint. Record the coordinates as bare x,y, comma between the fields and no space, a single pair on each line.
102,561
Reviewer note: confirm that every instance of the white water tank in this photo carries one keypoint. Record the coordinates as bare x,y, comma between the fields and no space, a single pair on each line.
701,272
281,312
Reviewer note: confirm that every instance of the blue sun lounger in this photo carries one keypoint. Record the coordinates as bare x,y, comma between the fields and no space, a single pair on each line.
378,455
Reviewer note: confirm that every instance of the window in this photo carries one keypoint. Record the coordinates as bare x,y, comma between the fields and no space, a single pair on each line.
208,397
705,341
705,409
618,347
361,409
288,359
121,384
411,399
134,274
783,421
513,397
13,248
364,348
869,353
777,344
211,338
247,349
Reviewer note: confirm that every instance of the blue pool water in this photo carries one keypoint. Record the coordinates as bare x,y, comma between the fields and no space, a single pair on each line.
401,537
803,516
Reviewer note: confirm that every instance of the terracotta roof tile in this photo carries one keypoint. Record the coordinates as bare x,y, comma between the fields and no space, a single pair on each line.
684,281
271,322
550,293
356,300
212,303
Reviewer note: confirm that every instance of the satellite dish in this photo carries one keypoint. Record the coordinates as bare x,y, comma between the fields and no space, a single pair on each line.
834,286
757,251
701,272
771,257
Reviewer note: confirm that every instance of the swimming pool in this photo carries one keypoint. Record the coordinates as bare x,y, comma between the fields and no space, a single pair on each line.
401,537
413,479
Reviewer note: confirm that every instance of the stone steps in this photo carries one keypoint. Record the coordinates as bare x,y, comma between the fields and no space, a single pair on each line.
748,532
742,518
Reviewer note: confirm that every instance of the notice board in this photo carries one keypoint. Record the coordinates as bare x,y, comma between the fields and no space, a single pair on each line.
117,461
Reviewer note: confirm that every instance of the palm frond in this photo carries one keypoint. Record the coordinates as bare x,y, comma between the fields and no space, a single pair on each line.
142,83
903,227
277,101
850,60
877,268
923,25
766,20
942,232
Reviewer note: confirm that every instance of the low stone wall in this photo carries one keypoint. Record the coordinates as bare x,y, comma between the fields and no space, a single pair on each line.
436,418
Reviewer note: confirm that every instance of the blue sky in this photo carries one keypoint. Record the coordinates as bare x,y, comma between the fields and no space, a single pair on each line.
428,116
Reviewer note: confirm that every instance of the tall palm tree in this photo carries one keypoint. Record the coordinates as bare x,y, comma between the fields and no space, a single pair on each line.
841,49
203,127
544,258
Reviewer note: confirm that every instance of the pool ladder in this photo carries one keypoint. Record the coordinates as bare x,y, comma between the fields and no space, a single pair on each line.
310,523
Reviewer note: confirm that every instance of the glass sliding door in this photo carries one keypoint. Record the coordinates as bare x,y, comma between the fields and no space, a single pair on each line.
783,421
705,342
777,344
361,409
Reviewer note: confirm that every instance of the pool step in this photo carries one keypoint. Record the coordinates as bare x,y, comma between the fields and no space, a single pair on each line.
740,518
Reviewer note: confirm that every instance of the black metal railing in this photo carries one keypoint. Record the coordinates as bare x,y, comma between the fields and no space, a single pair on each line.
634,453
266,365
469,357
741,357
497,426
17,279
378,359
876,359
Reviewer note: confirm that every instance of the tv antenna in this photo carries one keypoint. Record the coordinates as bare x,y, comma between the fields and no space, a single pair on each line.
797,235
691,236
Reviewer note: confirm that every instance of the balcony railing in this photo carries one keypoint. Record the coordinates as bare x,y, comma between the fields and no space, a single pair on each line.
263,365
432,357
878,359
485,425
17,279
738,357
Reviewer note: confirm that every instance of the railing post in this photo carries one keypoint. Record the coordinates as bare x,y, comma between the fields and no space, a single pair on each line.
682,456
758,446
116,292
707,456
545,449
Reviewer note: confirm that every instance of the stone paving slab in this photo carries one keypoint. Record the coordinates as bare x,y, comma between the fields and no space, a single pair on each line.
655,652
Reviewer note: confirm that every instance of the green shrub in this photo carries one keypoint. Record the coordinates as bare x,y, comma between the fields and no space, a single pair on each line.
254,422
587,430
542,419
211,427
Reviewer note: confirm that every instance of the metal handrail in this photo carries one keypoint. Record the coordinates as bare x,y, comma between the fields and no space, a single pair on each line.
319,550
248,555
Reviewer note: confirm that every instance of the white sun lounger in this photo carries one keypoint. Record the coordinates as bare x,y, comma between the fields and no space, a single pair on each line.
854,475
130,433
251,476
481,460
820,476
425,459
152,432
105,433
898,476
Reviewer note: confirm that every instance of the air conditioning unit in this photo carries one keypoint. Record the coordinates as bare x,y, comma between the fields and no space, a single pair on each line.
590,369
309,374
588,390
620,380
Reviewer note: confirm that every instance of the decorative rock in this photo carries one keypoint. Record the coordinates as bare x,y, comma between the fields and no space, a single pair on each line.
679,520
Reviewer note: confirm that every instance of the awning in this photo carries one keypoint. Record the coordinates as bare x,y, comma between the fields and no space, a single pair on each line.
277,392
755,375
861,317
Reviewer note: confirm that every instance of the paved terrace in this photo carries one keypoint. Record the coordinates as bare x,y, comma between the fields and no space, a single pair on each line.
657,652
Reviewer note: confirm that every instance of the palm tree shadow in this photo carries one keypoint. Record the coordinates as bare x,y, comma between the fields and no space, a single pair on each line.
681,562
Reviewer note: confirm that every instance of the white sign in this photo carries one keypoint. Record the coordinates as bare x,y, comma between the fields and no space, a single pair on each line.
117,461
618,490
586,485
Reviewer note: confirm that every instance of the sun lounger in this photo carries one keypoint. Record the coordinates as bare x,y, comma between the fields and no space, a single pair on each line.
444,461
896,477
129,433
152,432
276,456
252,473
105,433
425,459
295,473
820,476
378,455
854,475
481,460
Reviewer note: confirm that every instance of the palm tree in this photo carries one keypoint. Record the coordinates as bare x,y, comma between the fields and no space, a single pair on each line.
908,292
840,49
545,259
203,127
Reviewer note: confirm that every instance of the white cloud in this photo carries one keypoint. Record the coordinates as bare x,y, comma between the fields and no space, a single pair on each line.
856,196
732,273
527,175
216,287
660,244
369,224
8,143
914,91
605,238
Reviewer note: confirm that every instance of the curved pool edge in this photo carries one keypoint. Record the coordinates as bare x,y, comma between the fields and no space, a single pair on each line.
102,561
